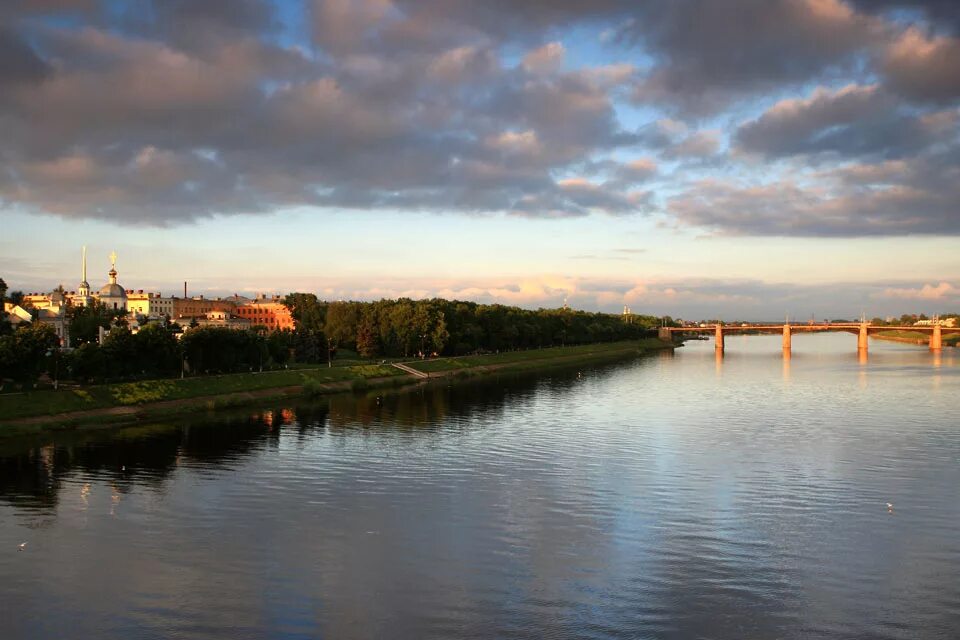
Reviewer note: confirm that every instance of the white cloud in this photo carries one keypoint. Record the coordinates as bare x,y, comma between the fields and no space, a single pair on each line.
926,292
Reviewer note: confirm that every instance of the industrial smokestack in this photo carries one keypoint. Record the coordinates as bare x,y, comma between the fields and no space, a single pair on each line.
184,289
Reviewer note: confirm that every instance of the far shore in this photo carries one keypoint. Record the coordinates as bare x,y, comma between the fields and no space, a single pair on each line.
122,404
915,337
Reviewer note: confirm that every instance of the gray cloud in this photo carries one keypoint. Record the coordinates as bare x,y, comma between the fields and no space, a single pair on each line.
194,109
19,63
709,53
893,198
852,121
923,67
325,134
943,13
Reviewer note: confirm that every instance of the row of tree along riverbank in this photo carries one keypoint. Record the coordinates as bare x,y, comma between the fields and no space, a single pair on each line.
382,329
130,402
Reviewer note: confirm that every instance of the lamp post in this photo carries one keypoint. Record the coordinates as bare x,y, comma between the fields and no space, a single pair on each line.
329,354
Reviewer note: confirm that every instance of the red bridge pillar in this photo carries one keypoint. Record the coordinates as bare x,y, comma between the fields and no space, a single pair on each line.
786,339
664,333
862,339
718,334
936,338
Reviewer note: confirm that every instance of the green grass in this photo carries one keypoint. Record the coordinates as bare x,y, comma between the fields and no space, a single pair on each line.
49,402
535,357
949,339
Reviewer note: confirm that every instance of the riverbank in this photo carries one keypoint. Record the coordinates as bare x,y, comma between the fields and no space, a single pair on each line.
916,337
134,402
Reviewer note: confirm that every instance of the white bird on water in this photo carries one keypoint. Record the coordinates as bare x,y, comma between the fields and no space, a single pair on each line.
23,546
890,507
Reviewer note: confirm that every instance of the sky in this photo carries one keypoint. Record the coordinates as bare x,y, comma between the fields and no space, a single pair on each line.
747,159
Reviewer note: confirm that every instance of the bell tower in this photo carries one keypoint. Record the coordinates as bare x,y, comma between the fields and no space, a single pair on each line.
83,291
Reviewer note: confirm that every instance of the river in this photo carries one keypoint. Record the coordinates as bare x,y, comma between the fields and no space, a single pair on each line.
672,496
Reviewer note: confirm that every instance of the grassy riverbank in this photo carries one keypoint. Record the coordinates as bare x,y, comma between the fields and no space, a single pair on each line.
536,358
916,337
131,402
48,402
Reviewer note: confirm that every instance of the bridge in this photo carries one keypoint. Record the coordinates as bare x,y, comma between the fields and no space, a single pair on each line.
860,329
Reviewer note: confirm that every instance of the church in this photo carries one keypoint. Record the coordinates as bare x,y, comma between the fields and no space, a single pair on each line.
111,295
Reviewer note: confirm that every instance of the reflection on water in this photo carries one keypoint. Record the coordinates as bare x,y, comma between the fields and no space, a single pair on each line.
677,496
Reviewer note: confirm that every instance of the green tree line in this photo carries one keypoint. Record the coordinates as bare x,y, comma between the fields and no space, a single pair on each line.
404,327
385,328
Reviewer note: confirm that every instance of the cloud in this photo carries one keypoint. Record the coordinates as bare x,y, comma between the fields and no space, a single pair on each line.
728,299
189,110
635,171
709,53
926,292
19,63
697,145
922,67
943,13
545,59
851,121
886,199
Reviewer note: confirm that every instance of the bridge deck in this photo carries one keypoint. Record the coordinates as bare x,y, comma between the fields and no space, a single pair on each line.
811,327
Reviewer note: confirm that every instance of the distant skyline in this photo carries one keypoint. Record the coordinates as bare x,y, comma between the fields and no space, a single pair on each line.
700,159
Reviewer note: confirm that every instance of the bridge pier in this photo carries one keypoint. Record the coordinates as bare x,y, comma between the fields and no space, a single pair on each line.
936,338
862,338
665,334
718,335
786,340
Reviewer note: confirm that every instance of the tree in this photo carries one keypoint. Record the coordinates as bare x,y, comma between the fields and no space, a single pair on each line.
5,327
87,363
438,334
120,356
23,353
340,326
156,350
306,346
368,341
308,312
400,327
279,344
222,350
86,322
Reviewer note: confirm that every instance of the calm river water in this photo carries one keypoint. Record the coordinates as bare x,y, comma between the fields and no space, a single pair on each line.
674,496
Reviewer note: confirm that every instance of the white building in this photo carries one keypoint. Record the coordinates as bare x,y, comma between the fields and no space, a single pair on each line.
151,305
943,322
